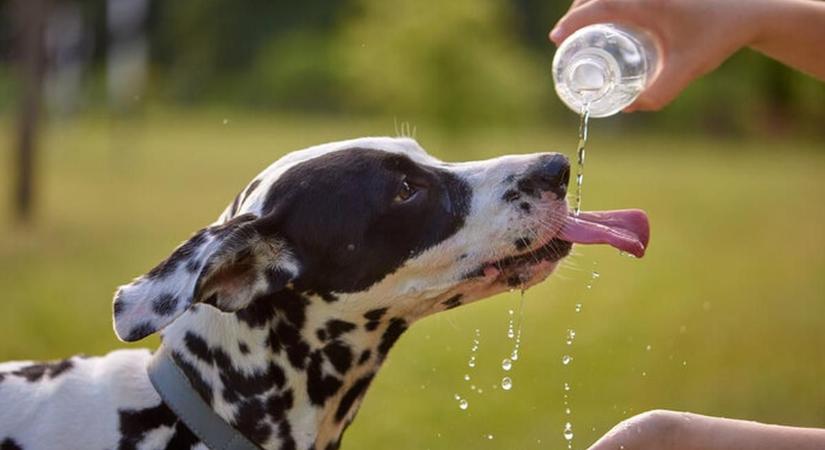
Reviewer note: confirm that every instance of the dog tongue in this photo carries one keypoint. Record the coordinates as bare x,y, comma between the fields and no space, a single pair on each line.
627,230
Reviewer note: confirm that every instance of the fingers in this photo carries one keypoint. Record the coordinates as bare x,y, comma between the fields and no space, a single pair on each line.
672,79
588,12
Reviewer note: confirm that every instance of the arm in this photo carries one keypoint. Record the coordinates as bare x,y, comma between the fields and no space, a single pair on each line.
668,430
695,36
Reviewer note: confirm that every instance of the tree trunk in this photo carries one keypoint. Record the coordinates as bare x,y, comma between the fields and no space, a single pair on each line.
31,16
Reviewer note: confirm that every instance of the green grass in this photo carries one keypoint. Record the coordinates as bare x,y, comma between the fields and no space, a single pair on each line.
730,299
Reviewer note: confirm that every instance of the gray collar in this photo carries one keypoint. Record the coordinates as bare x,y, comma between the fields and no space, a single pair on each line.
177,392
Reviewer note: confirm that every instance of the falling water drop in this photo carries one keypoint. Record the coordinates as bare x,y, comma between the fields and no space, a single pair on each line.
566,359
507,364
568,431
571,335
566,387
466,377
463,404
578,307
472,361
489,437
506,383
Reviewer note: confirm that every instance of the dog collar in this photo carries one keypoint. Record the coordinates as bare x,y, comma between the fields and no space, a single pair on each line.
177,392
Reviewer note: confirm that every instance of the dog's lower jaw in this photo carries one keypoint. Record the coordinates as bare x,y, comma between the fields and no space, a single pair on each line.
280,383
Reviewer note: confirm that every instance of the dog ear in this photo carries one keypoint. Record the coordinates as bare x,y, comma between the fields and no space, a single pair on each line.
225,266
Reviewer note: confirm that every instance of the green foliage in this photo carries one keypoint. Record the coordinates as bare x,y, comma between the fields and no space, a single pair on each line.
454,63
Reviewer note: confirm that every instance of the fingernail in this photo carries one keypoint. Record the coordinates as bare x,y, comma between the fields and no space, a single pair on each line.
555,35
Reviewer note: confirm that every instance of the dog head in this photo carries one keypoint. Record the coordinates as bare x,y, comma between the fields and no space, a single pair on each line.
369,225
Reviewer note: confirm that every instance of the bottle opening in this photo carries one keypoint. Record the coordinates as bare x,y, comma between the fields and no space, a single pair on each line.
589,79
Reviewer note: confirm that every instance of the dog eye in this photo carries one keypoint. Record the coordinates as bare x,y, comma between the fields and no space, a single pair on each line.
407,192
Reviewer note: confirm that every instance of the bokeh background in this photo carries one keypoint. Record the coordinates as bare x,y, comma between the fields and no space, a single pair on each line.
127,124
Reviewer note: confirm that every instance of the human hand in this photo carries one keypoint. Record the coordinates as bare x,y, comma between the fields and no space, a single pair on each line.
694,36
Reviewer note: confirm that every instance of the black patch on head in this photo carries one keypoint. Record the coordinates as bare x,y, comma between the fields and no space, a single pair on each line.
320,386
182,253
510,196
394,331
365,356
338,214
528,187
353,393
373,317
134,424
164,304
523,243
10,444
249,420
526,207
452,302
36,372
336,327
321,334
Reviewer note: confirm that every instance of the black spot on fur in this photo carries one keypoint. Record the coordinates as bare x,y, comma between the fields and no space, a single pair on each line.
164,304
201,386
353,393
193,266
528,187
118,306
236,384
328,297
10,444
182,439
336,327
514,281
278,405
285,433
244,349
394,331
320,386
236,202
365,356
249,420
321,334
252,186
339,355
510,196
184,252
36,372
526,207
452,302
140,331
374,318
135,423
523,243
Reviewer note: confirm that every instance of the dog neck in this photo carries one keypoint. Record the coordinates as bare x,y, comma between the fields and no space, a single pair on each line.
290,370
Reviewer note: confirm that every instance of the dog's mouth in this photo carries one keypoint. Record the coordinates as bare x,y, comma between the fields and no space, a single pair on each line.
626,230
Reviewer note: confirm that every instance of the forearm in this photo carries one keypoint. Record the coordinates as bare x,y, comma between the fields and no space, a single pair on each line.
793,32
699,432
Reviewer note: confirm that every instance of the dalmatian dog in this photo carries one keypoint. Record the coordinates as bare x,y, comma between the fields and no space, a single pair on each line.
281,313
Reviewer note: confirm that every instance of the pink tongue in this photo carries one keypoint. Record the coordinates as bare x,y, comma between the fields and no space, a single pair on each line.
627,229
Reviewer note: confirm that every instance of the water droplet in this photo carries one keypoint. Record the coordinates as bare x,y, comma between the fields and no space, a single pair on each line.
225,121
480,391
566,359
514,355
510,312
627,255
457,397
507,364
571,335
568,431
578,307
466,377
596,275
649,347
472,387
567,411
684,363
510,333
472,362
644,374
350,247
463,404
489,437
506,383
566,387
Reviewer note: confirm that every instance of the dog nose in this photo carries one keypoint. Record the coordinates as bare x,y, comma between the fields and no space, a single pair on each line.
550,173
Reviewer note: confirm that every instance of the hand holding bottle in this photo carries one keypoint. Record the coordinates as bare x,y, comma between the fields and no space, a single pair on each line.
696,36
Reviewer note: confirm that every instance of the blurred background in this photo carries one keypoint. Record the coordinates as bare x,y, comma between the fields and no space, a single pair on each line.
125,125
